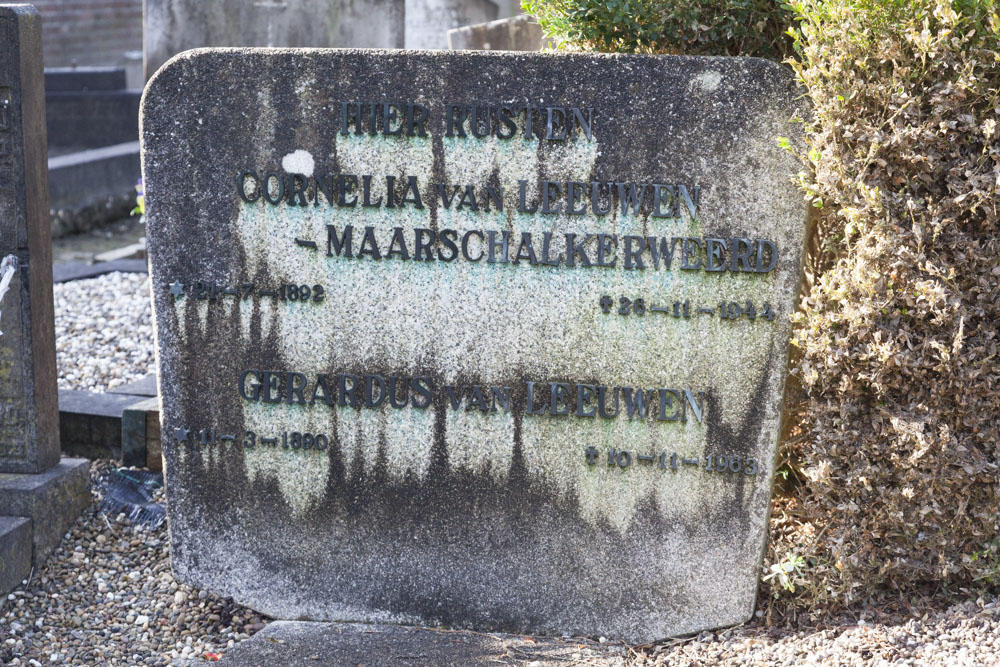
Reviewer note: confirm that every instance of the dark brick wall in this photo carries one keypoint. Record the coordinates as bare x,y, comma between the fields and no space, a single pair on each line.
89,32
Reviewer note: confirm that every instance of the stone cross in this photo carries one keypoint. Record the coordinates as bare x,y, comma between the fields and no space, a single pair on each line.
29,412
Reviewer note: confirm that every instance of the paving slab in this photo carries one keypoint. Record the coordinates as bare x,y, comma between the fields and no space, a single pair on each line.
299,643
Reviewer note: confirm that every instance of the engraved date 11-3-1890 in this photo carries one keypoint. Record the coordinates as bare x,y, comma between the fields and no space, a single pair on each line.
249,439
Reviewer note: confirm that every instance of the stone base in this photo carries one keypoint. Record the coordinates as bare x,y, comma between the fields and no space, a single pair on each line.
52,500
298,643
15,552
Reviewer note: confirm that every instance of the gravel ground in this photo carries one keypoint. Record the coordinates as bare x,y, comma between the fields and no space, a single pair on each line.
107,596
104,331
964,634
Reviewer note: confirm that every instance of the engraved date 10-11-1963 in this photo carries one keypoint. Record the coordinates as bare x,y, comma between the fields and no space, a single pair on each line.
619,458
717,463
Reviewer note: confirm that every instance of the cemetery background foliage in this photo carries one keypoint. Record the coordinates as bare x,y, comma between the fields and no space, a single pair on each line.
892,447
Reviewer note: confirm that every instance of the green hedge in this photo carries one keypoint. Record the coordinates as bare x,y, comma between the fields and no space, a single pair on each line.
693,27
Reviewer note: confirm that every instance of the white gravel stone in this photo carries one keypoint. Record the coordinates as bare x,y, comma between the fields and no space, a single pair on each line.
104,331
59,613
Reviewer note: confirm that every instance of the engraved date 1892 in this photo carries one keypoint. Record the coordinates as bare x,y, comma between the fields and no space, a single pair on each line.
203,290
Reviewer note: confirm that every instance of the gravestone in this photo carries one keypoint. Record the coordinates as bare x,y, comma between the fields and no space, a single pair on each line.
495,341
29,423
40,495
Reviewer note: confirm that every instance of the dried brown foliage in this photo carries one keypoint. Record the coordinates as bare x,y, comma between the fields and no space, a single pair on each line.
892,455
895,447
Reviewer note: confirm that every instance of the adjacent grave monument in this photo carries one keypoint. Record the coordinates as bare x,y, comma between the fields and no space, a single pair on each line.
29,411
172,26
517,33
40,495
489,340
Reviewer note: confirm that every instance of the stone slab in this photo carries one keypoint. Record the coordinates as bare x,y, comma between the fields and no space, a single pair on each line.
81,120
107,404
52,500
130,251
427,22
174,26
487,492
29,426
144,387
91,156
154,439
296,643
83,180
90,423
64,79
66,271
15,552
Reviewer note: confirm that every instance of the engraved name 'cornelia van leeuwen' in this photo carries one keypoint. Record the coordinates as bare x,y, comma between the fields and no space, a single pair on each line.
664,203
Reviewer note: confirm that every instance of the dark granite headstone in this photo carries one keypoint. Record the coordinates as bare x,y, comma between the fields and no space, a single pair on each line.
40,495
447,369
29,411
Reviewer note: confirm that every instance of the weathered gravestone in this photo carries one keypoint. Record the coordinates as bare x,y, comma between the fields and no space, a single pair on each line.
29,411
40,495
488,340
